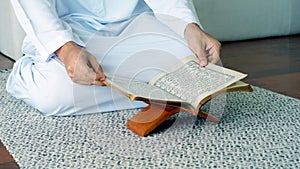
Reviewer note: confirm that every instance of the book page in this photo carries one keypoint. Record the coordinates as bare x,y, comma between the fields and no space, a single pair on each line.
192,83
134,88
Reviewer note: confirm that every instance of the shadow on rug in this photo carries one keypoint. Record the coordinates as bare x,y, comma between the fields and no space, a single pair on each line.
258,129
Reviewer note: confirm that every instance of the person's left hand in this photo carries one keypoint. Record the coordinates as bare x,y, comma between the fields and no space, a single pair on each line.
204,46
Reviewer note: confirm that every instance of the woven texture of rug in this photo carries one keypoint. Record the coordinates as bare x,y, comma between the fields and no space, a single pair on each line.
260,129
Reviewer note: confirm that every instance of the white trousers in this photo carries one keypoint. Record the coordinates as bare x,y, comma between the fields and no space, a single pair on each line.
140,50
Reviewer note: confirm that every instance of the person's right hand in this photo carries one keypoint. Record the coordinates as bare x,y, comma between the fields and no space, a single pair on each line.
82,66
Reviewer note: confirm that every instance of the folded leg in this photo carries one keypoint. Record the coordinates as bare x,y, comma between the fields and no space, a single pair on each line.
47,87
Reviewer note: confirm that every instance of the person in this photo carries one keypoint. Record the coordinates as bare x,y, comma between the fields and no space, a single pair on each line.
62,70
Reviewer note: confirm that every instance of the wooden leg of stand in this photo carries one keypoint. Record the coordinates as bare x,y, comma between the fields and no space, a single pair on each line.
145,121
204,115
149,118
209,117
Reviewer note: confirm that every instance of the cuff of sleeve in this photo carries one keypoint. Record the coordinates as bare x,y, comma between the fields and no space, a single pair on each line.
180,25
56,43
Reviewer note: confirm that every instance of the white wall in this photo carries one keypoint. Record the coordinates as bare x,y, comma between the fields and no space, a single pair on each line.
11,33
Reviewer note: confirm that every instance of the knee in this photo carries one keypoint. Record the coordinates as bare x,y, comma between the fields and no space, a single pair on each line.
66,99
44,86
53,102
48,100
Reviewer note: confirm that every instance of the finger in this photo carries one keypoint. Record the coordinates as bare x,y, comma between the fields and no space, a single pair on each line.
93,62
99,83
202,59
215,55
213,59
86,78
97,68
212,56
200,54
100,73
96,78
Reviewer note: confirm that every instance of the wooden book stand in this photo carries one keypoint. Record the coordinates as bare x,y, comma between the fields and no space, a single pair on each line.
145,121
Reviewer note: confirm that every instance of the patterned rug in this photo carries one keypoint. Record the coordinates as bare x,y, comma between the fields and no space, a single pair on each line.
258,130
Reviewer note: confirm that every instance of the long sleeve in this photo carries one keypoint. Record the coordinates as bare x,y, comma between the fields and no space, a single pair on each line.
42,25
167,10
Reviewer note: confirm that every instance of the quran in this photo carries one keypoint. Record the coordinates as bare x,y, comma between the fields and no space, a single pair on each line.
185,85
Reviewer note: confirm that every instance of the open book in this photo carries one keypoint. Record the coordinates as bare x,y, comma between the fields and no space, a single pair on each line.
185,85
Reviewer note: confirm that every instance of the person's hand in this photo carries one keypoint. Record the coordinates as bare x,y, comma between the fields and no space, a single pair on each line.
204,46
82,67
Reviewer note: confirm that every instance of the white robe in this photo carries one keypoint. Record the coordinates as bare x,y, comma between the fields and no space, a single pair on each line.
125,37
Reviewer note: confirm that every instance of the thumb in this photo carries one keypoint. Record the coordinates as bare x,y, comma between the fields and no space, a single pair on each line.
97,68
202,58
100,73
